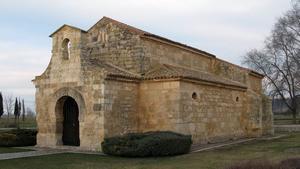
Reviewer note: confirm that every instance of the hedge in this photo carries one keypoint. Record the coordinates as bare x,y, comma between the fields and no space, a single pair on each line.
159,143
18,137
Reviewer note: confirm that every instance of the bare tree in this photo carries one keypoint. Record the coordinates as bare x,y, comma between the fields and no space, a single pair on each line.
30,112
9,105
279,60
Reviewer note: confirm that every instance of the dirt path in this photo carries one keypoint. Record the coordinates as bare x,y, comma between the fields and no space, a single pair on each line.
42,151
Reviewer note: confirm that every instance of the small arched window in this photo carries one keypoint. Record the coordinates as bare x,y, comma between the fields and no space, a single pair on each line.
194,96
66,46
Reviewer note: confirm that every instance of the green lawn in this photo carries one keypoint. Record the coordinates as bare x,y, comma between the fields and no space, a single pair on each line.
28,122
285,119
217,159
11,150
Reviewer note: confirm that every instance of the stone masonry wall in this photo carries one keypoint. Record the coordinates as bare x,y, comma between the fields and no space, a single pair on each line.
158,105
267,117
107,42
255,84
229,71
156,52
121,108
65,77
216,114
253,118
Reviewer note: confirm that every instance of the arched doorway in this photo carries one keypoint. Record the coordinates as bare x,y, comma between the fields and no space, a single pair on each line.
70,122
57,103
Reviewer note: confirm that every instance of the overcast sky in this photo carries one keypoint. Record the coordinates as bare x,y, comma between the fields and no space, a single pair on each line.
226,28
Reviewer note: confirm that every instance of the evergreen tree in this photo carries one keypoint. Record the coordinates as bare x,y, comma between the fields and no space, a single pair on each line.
24,111
19,112
1,105
16,111
20,108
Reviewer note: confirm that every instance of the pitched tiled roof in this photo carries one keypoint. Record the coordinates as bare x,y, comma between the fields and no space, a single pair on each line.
165,71
161,72
112,70
65,25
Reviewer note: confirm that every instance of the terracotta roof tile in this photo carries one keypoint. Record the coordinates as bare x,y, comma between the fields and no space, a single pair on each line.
112,70
169,71
161,72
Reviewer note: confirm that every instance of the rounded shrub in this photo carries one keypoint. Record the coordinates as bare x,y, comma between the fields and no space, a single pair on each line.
159,143
18,137
6,139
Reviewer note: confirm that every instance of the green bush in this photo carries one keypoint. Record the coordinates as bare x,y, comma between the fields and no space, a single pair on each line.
160,143
18,137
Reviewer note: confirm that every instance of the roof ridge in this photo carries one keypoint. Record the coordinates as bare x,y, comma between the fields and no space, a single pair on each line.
74,27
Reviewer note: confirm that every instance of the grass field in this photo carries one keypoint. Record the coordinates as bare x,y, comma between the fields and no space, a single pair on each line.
29,122
11,150
270,150
285,119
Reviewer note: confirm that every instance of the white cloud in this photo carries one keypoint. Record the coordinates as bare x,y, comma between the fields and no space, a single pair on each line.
19,64
142,10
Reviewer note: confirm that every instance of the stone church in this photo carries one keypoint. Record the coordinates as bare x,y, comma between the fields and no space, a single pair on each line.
115,79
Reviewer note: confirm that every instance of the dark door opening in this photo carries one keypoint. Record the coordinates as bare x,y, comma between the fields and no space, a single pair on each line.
70,123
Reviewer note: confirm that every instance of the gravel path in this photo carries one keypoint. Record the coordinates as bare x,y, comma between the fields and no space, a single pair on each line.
43,151
206,147
7,156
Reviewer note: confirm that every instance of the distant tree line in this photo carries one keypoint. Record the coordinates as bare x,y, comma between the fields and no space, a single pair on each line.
14,107
1,105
